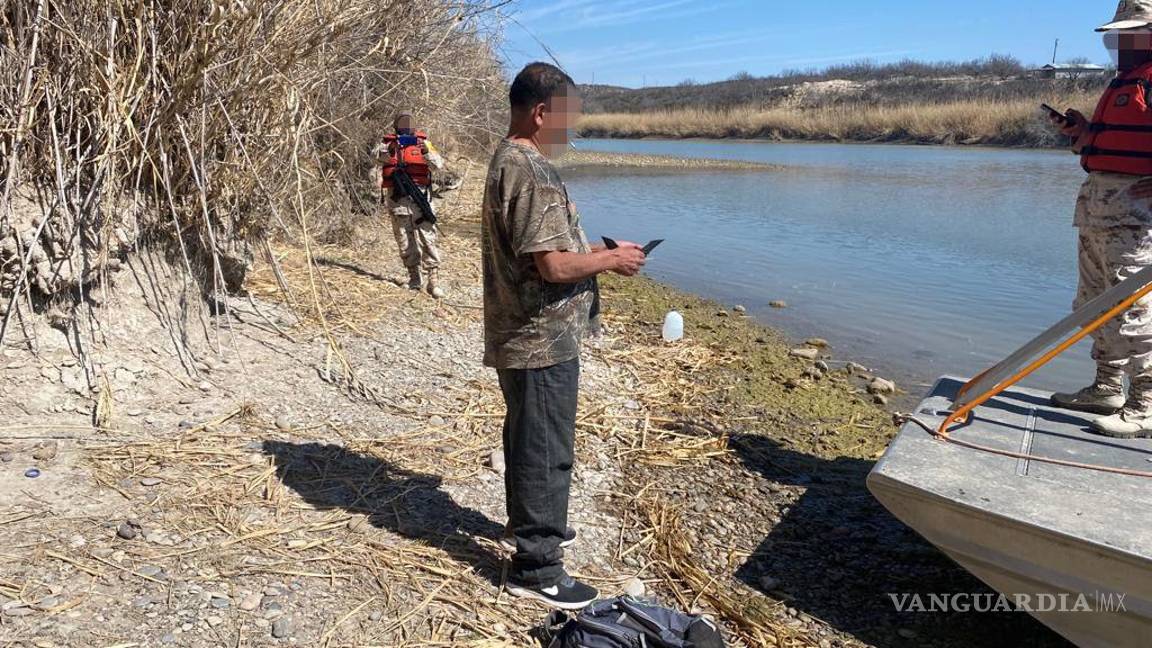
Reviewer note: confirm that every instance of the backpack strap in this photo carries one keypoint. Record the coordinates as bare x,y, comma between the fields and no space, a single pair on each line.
553,625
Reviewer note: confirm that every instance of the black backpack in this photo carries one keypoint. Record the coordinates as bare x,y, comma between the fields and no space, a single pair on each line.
626,623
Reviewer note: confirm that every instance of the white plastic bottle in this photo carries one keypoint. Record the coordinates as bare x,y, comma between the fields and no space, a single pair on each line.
673,326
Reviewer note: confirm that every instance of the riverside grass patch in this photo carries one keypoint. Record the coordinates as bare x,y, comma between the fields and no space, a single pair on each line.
1016,122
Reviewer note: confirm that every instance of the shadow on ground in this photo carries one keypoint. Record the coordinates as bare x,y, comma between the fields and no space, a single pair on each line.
407,503
836,554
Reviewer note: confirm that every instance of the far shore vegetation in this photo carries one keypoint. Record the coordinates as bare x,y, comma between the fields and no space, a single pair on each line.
994,102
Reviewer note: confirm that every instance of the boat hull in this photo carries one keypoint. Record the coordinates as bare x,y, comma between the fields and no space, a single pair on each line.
1074,545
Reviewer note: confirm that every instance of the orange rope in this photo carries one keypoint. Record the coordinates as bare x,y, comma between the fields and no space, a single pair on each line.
962,414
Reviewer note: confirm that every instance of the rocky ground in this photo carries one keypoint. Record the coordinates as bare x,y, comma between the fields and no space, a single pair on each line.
317,465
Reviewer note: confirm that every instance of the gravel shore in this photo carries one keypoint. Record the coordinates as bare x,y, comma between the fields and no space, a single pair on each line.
329,474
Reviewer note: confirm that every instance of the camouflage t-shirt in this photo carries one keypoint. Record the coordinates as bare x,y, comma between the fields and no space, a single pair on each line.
528,322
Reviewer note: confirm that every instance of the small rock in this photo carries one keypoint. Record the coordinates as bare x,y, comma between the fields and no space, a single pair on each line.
48,602
805,353
135,412
819,343
205,386
881,386
436,421
283,423
150,481
214,621
46,451
168,638
634,588
186,424
271,591
220,603
496,461
854,368
251,601
282,627
779,303
822,366
739,308
722,313
880,399
273,610
768,584
376,615
359,524
142,601
7,456
151,571
128,531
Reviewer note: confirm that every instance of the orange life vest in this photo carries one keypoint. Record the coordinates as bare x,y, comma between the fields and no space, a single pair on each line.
411,157
1121,128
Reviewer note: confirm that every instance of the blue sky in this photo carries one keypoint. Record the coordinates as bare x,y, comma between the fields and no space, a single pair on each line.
662,42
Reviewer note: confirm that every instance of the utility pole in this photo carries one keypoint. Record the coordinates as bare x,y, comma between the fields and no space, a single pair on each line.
1055,48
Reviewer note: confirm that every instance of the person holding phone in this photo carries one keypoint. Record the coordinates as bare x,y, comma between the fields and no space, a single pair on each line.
539,288
415,234
1114,218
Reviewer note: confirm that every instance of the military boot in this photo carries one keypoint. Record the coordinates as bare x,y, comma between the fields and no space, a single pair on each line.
414,280
1104,396
434,288
1134,420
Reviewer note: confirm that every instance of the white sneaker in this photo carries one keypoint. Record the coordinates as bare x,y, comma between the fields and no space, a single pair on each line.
1128,423
1095,399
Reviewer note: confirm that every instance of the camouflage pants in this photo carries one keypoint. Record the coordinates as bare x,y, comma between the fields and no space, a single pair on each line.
417,241
1107,256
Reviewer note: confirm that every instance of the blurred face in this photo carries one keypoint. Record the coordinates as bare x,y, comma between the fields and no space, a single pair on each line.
557,121
403,125
1130,48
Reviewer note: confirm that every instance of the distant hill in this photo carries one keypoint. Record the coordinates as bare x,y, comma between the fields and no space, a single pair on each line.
986,101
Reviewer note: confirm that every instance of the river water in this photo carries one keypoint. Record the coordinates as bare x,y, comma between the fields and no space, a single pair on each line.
915,260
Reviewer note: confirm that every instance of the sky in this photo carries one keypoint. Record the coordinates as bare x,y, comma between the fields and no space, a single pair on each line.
637,43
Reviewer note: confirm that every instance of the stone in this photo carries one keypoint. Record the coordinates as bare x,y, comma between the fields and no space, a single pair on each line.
7,456
822,366
128,531
854,368
151,571
819,343
220,603
282,627
135,411
359,524
634,587
142,601
376,615
807,353
168,638
283,423
150,481
436,421
205,386
273,610
881,386
739,308
722,313
496,461
46,451
251,601
214,621
880,399
778,303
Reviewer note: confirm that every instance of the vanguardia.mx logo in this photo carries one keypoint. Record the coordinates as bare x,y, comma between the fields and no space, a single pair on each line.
1023,602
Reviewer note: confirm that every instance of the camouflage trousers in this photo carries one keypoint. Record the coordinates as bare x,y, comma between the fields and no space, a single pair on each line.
1107,256
416,241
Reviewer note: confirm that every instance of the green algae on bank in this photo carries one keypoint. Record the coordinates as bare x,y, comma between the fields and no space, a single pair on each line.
828,415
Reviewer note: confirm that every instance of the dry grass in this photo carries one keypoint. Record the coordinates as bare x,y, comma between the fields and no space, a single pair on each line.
1012,123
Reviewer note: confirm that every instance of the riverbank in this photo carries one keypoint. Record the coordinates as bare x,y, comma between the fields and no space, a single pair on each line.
581,160
318,465
1017,122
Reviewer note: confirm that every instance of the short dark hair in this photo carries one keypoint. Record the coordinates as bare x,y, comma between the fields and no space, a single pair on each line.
536,84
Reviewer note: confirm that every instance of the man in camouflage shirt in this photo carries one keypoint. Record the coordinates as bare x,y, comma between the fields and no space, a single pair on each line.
539,283
1114,216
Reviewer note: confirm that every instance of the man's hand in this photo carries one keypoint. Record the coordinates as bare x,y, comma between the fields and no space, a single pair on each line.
627,261
1073,125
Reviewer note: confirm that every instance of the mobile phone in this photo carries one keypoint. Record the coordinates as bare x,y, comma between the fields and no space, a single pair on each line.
1055,113
647,249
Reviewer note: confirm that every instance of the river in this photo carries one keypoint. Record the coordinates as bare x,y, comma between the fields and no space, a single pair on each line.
915,260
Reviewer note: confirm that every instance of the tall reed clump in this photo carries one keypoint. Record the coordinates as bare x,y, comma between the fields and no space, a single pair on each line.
1014,122
198,127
